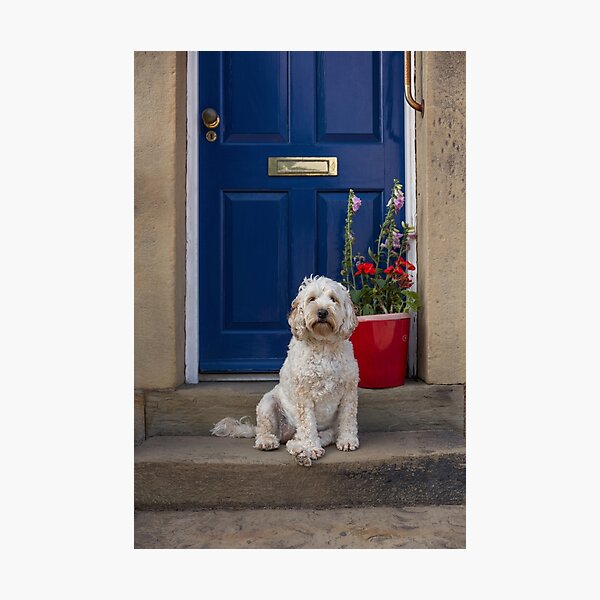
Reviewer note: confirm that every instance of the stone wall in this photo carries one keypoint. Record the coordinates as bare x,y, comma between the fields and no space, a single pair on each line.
441,199
159,188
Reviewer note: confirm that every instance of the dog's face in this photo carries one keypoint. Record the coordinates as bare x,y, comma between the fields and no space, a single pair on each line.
322,310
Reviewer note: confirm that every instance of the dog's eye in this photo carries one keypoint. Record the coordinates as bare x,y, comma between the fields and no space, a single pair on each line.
312,299
333,298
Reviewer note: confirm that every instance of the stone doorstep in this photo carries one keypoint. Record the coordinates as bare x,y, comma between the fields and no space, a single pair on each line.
193,409
414,468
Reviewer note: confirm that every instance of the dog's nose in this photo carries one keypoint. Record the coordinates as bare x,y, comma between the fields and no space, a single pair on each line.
322,313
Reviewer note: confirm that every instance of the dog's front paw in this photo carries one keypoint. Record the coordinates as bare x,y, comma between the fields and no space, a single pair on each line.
304,455
347,444
303,458
266,442
317,452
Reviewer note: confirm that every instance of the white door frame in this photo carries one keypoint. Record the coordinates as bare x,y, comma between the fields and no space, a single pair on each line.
410,213
191,221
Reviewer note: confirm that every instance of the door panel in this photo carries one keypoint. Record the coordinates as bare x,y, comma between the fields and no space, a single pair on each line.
261,235
351,80
255,227
255,97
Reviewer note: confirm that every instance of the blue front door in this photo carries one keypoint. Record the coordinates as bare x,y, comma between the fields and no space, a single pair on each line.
261,234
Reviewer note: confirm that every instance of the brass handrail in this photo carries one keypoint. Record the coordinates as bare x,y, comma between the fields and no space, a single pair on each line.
408,84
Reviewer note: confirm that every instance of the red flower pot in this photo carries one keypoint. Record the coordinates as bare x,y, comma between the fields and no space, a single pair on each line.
381,348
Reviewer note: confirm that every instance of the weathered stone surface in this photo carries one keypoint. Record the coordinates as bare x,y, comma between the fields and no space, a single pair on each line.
139,419
397,469
441,204
413,406
369,527
192,410
159,217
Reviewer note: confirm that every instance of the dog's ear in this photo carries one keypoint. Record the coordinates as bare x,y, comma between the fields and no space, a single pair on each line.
349,321
296,320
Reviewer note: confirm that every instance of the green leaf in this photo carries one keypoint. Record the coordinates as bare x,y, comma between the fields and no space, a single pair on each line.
355,296
368,310
413,302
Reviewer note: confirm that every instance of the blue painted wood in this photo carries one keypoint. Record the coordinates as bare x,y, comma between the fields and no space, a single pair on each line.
260,235
255,227
351,80
255,96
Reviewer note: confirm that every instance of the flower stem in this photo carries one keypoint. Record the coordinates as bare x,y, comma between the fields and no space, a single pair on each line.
348,249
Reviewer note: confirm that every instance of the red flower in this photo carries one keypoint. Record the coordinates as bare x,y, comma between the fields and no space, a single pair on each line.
404,281
405,263
398,275
366,268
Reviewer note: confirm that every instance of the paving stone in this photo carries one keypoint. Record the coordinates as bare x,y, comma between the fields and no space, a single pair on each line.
370,527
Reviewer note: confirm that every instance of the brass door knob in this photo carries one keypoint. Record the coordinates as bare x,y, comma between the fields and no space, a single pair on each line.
210,118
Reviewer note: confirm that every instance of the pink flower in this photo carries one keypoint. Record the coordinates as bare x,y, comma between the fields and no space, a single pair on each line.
356,202
396,239
398,200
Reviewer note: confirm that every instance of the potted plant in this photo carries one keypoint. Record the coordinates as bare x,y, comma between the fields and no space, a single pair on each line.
380,291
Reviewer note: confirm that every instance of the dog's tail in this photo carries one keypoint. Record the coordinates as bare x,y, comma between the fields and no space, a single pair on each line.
229,427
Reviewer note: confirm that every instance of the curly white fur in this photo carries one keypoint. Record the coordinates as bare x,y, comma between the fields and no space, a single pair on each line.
229,427
316,400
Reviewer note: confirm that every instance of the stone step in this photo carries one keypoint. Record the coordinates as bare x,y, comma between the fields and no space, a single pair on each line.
411,468
193,409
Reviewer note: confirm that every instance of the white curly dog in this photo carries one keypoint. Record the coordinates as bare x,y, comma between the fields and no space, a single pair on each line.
316,400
